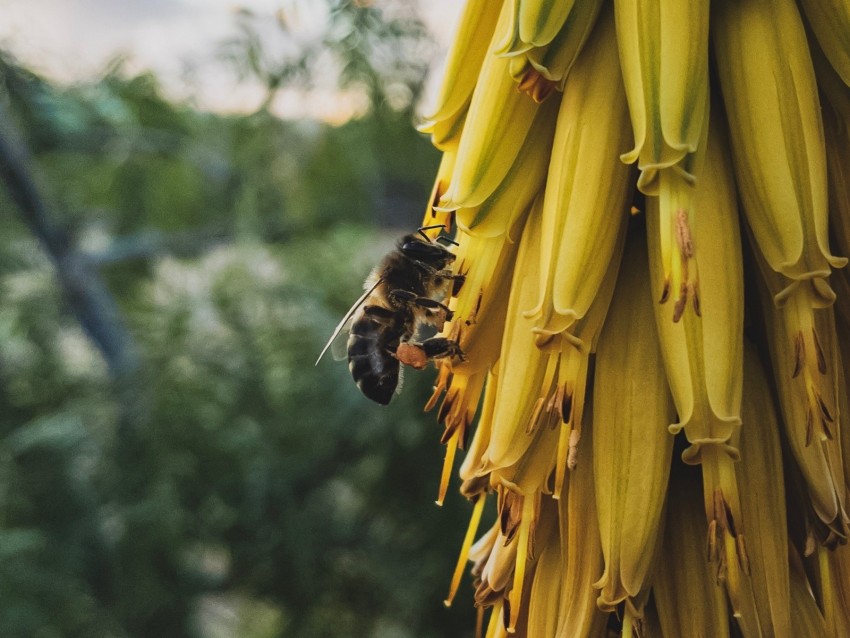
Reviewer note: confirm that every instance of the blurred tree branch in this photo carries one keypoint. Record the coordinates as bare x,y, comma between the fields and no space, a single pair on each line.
88,297
154,243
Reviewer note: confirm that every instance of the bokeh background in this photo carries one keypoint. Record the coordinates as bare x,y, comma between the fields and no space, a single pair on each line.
191,194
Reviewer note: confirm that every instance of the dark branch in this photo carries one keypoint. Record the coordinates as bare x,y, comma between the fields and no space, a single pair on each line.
86,294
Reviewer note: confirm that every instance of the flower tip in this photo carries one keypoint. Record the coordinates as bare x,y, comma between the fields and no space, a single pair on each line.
535,85
426,126
679,308
665,291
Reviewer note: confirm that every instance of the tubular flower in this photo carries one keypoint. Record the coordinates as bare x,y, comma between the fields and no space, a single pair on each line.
667,449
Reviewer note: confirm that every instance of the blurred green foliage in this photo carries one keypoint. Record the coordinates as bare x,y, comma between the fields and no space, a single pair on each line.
227,487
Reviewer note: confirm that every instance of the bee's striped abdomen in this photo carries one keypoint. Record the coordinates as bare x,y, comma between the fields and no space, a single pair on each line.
374,337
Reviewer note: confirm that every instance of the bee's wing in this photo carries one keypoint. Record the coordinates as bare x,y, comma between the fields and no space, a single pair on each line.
348,316
339,346
400,379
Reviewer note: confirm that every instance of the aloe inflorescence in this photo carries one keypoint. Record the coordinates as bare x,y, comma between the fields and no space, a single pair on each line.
653,322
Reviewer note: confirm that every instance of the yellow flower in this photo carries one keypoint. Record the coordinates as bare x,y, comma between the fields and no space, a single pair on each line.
664,424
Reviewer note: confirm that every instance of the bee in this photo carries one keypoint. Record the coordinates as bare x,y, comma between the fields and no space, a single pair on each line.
402,294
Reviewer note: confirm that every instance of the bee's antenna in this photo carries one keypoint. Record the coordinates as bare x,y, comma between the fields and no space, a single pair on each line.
444,238
422,230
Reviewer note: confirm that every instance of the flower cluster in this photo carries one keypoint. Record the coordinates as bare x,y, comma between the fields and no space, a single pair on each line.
653,322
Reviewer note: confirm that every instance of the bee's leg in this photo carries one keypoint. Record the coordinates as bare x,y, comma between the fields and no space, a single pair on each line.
448,275
426,303
430,306
437,347
442,274
416,355
378,312
456,279
401,297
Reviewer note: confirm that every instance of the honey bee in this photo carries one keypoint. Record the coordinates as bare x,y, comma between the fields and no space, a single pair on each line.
402,294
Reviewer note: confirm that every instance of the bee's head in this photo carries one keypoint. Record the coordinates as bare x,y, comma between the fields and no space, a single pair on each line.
428,252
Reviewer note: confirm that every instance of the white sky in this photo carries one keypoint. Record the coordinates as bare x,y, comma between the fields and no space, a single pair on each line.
72,40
